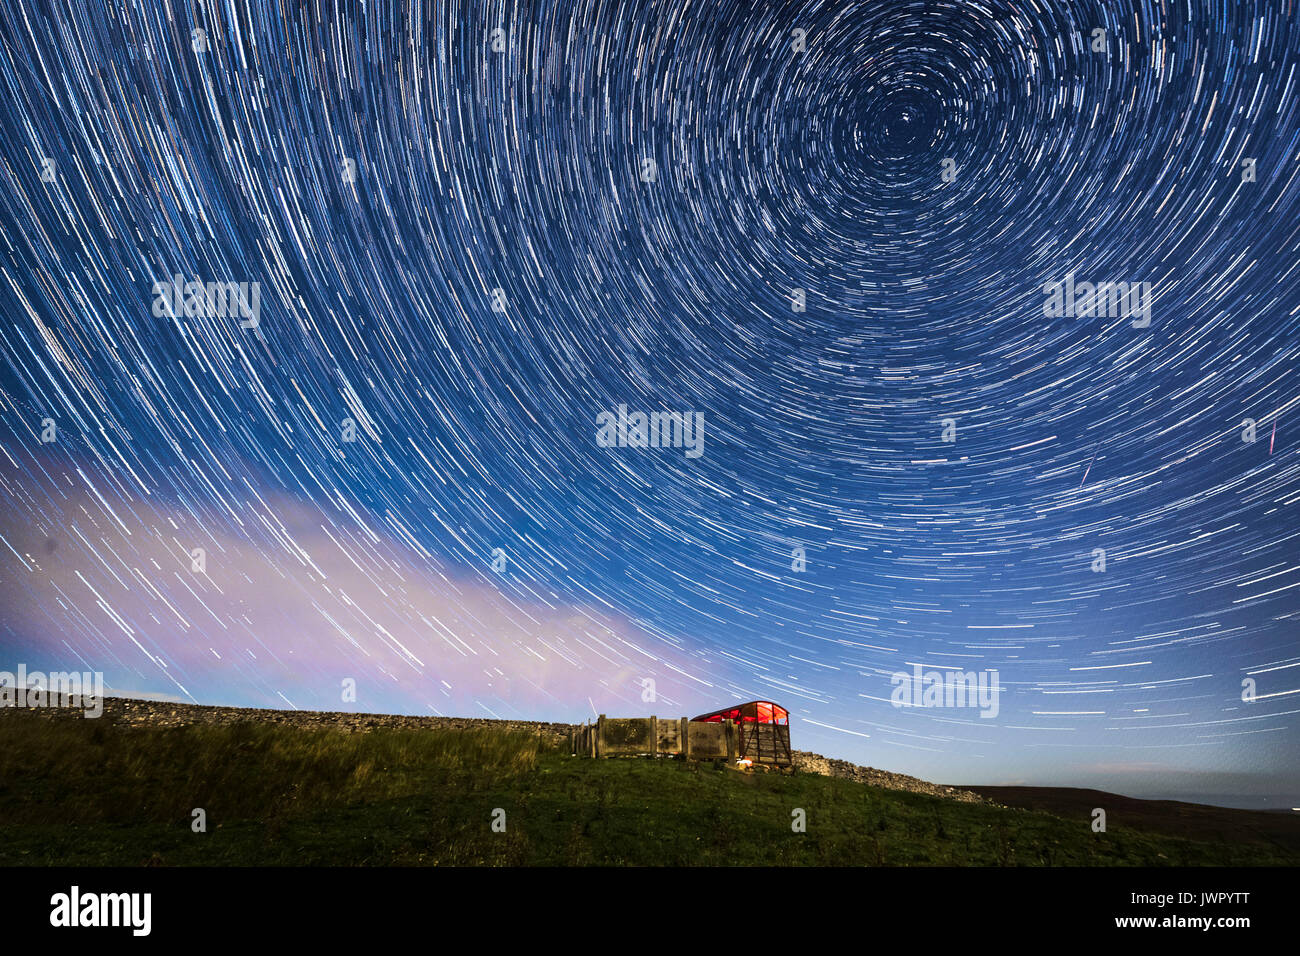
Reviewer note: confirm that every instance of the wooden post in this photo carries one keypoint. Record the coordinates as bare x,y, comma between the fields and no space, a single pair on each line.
731,740
685,742
600,736
654,736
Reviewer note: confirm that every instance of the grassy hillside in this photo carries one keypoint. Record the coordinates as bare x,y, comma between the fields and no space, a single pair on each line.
1194,821
81,792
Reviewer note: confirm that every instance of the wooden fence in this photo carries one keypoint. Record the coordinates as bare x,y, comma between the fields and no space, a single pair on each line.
693,740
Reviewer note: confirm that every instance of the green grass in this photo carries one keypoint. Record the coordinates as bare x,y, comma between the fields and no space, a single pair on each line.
77,792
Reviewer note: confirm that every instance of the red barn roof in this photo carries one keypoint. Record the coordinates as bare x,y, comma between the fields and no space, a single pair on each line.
754,712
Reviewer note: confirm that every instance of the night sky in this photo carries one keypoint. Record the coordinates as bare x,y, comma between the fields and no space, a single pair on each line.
469,244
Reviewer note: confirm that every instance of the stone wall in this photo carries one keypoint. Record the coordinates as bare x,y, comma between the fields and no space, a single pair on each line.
827,767
152,713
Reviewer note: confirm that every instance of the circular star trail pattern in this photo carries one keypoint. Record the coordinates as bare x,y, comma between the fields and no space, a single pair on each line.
558,209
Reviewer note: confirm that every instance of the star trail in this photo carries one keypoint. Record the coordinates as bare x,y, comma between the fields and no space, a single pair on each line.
311,313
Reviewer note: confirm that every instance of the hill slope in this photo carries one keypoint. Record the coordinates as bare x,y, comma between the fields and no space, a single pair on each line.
1194,821
105,792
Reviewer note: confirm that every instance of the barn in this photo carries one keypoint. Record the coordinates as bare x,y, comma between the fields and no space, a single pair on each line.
762,730
757,732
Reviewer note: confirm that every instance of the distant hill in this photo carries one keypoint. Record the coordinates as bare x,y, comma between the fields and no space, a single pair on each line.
1193,821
